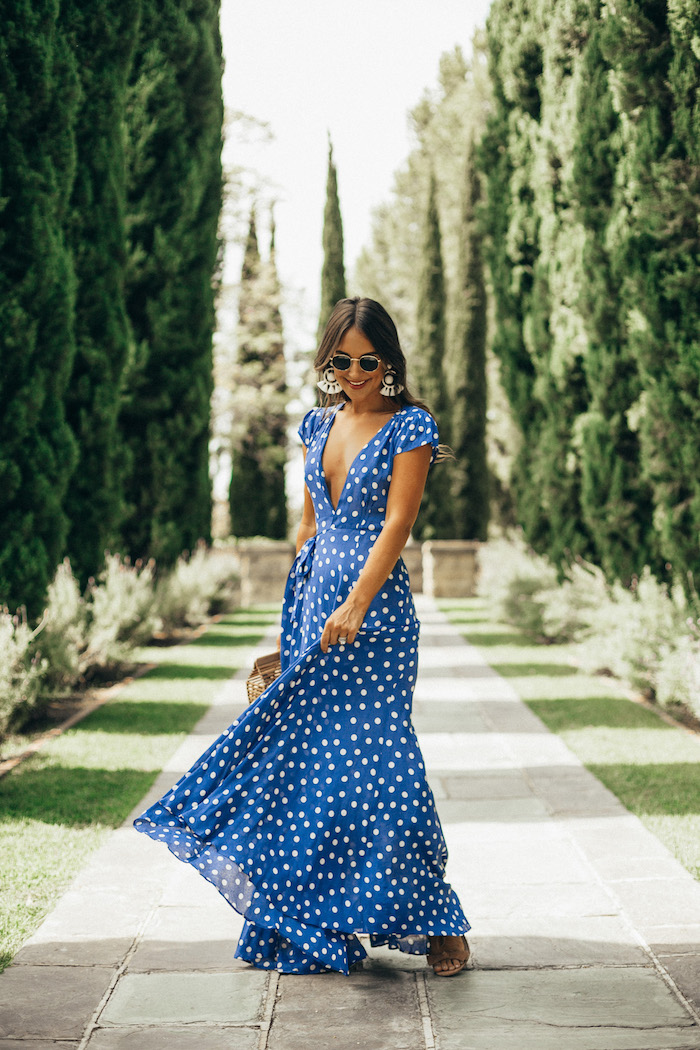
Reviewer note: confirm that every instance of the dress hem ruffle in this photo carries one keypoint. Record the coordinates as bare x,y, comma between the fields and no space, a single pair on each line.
270,939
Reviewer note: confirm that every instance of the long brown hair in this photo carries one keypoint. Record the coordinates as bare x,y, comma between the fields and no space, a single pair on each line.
371,319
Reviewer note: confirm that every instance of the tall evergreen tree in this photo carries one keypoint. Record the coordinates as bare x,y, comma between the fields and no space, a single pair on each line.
257,492
652,48
436,518
174,200
615,499
539,334
38,104
510,245
333,272
277,417
108,32
470,470
246,507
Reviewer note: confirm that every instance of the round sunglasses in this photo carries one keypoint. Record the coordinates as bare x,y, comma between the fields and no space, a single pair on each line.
341,362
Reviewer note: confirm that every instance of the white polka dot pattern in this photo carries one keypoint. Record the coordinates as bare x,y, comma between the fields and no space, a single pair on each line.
311,814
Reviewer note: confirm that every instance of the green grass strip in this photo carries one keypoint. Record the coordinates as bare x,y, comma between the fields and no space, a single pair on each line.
58,806
651,766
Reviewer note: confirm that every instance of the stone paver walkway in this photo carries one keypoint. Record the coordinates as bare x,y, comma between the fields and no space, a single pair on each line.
586,931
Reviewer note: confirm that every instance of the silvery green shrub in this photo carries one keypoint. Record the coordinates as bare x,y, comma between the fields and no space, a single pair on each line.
198,584
120,612
20,672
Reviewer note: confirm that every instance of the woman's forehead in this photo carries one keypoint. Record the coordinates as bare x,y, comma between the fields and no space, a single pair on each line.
356,344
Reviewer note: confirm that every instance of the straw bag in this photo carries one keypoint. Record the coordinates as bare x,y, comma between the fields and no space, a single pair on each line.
265,670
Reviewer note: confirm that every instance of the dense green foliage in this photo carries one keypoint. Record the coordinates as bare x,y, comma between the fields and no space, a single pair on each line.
654,49
173,205
98,240
39,94
257,496
591,161
110,190
333,271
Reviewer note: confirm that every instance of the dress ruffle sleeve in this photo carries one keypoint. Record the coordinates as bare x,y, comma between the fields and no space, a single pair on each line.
309,424
416,427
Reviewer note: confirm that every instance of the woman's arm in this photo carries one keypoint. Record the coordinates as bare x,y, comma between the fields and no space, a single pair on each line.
307,526
408,474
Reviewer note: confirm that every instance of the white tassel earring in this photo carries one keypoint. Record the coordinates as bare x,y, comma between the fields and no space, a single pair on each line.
390,386
328,383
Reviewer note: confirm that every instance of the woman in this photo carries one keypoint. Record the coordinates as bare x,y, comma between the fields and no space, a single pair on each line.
312,814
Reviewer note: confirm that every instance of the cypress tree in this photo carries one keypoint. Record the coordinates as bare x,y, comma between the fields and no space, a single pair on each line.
510,256
246,507
257,490
173,204
653,50
534,255
277,408
333,272
615,499
470,471
103,36
435,519
38,104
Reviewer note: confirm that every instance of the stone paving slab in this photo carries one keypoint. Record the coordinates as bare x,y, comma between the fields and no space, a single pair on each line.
466,689
572,790
186,998
506,811
50,1002
671,901
375,1010
685,971
97,919
451,752
511,716
551,861
501,900
449,716
193,1037
528,942
189,938
484,785
599,1008
37,1044
673,940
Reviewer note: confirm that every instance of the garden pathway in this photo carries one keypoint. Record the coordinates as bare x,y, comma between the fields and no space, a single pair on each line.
586,931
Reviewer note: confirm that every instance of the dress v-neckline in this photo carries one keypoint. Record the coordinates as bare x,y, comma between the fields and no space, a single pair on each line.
364,447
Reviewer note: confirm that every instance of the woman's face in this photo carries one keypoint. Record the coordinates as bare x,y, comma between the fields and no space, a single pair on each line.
360,386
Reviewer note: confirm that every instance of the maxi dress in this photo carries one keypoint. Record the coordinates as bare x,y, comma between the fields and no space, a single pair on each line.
311,814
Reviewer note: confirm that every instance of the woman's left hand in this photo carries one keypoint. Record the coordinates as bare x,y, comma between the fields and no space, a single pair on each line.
342,625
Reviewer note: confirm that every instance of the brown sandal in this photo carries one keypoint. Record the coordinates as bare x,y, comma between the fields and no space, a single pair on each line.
448,949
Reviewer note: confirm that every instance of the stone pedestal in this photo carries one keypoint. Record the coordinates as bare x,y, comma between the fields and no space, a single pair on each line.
264,570
413,560
450,568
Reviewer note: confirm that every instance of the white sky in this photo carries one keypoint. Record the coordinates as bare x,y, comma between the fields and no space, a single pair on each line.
354,69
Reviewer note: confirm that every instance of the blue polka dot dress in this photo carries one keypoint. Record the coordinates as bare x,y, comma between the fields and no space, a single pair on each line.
312,814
